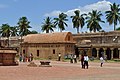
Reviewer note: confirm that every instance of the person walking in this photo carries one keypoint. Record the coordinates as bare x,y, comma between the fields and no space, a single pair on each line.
59,56
101,61
71,58
86,61
75,58
82,60
20,57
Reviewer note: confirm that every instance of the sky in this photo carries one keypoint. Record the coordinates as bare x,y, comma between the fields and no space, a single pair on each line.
37,10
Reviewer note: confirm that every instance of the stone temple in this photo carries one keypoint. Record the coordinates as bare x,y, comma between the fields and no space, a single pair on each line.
49,45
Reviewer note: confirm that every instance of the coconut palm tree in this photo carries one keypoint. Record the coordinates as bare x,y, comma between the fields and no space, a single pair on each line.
60,21
93,20
113,15
5,31
78,20
14,31
48,25
23,26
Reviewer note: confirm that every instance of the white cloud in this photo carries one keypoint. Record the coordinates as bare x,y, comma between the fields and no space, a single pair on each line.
54,13
100,6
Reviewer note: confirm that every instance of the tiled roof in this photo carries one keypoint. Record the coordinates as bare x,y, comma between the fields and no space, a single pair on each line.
48,37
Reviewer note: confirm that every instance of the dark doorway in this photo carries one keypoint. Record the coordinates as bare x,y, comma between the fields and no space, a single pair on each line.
94,52
76,51
108,53
115,53
101,52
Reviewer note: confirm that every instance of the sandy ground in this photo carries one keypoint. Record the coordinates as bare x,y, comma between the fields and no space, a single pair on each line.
61,71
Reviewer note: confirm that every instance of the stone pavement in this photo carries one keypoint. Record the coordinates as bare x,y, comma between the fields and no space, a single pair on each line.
61,71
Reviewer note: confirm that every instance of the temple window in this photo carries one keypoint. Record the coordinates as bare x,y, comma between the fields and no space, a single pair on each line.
37,52
53,51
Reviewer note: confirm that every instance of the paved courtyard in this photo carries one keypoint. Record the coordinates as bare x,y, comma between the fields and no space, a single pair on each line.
61,71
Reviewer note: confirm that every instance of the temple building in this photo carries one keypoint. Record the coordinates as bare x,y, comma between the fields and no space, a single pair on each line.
48,45
106,44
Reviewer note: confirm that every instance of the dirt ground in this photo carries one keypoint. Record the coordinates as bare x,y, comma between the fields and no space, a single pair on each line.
61,71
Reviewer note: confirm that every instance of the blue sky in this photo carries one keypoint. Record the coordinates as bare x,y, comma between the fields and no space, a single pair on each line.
37,10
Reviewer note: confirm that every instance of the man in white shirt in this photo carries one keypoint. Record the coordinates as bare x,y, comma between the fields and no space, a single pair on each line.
102,61
86,61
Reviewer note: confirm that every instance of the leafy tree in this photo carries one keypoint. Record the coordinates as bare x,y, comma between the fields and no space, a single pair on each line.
23,26
48,25
60,21
14,31
113,15
78,20
93,20
5,31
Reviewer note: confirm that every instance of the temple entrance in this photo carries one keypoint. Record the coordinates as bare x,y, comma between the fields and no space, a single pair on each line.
76,51
94,52
108,53
115,53
101,52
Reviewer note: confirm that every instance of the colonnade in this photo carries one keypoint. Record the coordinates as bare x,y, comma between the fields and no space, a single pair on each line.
105,52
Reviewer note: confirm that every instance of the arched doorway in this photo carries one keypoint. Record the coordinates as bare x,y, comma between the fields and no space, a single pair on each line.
76,51
108,53
94,52
115,53
101,52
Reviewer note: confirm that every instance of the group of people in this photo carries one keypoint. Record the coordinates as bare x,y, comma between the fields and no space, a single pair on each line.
24,58
84,61
73,58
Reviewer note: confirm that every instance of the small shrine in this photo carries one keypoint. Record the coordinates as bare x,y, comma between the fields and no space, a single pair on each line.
7,57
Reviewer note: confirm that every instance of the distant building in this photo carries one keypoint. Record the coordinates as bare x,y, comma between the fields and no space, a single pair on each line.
106,44
48,45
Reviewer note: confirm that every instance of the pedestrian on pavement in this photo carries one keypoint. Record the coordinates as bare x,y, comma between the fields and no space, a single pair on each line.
59,56
20,57
86,61
75,58
82,60
71,58
101,61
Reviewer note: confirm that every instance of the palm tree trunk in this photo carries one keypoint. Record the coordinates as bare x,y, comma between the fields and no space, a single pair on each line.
8,41
77,29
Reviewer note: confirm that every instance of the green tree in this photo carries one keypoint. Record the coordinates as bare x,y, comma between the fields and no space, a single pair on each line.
5,31
23,26
113,15
60,21
93,20
48,25
78,20
14,31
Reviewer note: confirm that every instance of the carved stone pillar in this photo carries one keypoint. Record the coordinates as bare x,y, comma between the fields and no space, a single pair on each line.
97,52
111,52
